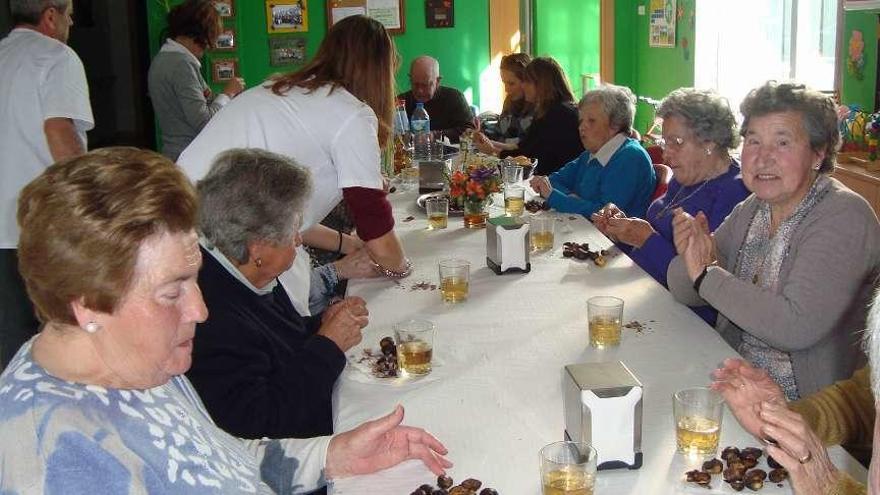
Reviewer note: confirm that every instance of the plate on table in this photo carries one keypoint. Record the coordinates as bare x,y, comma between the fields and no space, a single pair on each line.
454,211
362,358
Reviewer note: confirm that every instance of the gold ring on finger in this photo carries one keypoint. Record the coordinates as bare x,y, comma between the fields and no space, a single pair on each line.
806,458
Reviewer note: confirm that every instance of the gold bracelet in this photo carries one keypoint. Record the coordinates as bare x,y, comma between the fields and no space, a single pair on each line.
407,270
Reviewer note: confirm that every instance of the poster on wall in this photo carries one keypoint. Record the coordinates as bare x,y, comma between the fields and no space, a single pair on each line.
662,24
287,16
388,12
439,13
286,50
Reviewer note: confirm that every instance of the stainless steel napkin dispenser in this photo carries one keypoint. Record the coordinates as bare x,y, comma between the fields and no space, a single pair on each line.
432,174
603,407
507,245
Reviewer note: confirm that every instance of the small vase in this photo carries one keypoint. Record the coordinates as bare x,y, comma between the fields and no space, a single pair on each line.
475,214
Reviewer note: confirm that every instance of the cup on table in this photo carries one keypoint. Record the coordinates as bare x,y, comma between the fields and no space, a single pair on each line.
437,208
511,173
438,149
698,412
409,177
541,230
605,314
454,280
415,346
514,200
568,468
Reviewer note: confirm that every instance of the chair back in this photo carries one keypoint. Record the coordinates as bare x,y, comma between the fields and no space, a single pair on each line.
664,175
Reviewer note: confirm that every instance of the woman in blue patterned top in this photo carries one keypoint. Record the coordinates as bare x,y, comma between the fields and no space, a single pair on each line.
97,401
699,131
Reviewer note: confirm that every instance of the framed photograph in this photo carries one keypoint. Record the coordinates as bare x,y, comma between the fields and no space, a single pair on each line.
226,40
439,13
289,16
226,8
286,50
224,69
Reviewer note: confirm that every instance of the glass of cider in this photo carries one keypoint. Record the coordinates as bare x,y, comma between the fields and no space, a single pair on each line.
605,314
698,412
514,200
568,468
541,230
454,280
415,346
437,208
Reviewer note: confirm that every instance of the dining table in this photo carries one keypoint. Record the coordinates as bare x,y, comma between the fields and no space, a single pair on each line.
495,394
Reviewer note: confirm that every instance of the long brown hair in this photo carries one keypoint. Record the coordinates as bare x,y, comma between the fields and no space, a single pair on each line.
551,85
516,64
196,19
358,55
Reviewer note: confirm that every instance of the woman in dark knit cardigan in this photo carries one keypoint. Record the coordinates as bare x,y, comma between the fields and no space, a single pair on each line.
255,353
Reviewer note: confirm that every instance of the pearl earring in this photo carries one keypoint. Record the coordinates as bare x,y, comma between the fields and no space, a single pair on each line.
708,151
258,262
92,327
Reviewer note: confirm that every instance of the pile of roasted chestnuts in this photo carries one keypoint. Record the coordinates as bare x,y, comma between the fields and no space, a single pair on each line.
741,471
445,487
582,252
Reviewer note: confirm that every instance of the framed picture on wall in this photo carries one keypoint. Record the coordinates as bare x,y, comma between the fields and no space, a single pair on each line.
287,16
389,12
662,24
226,8
286,50
439,13
224,69
226,40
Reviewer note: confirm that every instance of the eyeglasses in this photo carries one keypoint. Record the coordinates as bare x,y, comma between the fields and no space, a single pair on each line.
673,142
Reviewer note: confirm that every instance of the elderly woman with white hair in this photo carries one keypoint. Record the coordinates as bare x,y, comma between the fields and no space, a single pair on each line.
97,401
613,169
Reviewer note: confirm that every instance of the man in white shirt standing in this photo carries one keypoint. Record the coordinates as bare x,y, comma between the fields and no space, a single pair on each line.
44,115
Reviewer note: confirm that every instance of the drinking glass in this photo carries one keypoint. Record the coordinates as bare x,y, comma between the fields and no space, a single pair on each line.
437,208
605,314
415,346
698,413
437,147
514,200
568,468
511,173
409,177
541,229
454,280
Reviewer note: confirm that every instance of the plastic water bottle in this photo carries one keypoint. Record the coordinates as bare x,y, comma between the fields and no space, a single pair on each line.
401,122
420,124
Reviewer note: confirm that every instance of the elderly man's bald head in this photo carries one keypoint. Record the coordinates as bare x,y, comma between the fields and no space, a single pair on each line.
424,77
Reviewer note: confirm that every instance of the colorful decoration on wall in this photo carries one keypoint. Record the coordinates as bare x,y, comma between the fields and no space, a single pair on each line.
289,16
662,23
855,61
439,13
685,48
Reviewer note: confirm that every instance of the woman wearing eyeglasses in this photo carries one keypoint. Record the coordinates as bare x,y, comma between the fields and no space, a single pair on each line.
698,133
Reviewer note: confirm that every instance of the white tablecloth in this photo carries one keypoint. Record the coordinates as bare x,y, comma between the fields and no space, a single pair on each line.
495,396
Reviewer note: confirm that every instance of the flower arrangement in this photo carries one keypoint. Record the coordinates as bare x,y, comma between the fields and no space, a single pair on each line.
474,184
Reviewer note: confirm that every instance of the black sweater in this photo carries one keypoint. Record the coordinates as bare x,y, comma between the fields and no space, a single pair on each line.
448,110
553,139
258,365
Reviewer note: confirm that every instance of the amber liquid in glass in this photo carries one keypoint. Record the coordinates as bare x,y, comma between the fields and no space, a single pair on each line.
414,358
515,206
697,435
604,332
454,289
437,221
542,241
475,220
565,482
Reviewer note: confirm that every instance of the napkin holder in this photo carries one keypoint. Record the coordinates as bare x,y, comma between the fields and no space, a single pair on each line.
507,245
603,407
432,175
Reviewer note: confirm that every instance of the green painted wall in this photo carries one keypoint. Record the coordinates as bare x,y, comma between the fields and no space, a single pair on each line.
854,90
568,30
651,72
463,51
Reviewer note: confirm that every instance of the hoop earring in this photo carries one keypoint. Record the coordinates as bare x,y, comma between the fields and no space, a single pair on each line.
92,327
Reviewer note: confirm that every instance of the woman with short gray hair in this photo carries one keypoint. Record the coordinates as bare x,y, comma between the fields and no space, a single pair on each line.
613,169
698,133
255,352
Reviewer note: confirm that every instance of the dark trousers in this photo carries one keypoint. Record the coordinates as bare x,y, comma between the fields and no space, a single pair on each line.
18,322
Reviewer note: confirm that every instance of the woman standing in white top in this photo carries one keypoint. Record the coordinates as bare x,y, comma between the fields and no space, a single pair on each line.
332,117
181,98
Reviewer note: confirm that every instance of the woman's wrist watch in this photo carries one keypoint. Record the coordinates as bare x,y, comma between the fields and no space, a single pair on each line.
699,280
